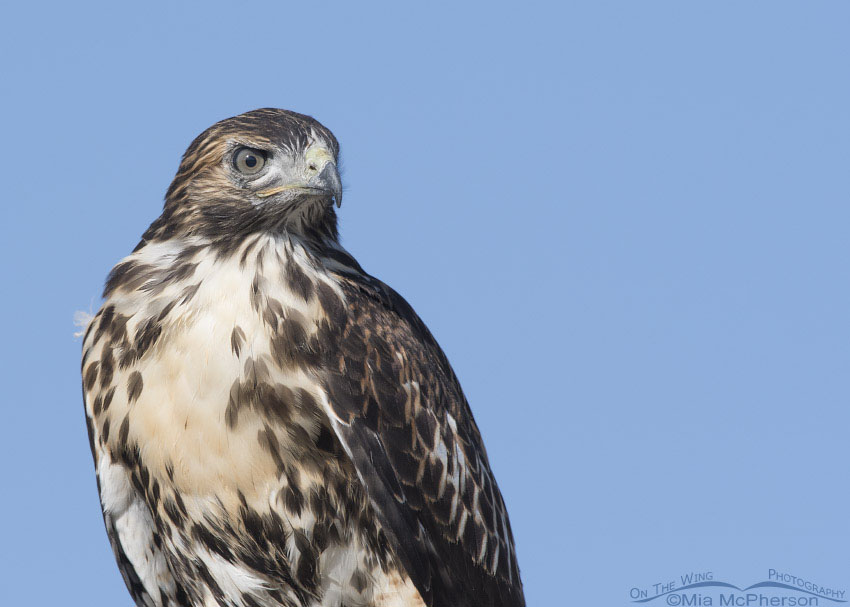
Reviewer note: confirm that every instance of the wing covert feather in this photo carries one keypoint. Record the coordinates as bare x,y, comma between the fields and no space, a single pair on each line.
408,428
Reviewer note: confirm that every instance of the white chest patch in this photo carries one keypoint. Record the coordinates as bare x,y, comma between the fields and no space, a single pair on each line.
193,365
207,343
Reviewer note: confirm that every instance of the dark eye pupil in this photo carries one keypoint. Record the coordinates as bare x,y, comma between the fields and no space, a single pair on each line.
251,161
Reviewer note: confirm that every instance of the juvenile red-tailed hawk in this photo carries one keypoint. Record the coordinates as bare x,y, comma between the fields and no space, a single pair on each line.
270,424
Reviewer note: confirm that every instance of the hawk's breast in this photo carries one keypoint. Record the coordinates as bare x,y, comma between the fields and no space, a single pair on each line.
189,401
202,383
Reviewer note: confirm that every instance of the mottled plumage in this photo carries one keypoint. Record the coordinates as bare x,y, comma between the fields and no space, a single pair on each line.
270,424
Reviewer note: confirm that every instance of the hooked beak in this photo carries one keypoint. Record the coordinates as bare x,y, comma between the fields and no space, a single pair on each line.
328,180
326,183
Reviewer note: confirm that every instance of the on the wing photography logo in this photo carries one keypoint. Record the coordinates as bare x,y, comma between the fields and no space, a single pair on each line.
701,589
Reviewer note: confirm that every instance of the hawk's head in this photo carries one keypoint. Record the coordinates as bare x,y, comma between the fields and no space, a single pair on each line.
268,169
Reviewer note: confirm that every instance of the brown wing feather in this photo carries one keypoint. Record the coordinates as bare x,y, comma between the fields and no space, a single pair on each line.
408,428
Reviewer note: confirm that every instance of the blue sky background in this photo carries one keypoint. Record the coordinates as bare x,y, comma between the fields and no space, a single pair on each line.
626,222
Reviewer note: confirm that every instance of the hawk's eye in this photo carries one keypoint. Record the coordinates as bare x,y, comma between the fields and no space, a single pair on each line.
249,161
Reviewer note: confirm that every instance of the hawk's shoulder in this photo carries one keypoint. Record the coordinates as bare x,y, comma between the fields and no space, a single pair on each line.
402,417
